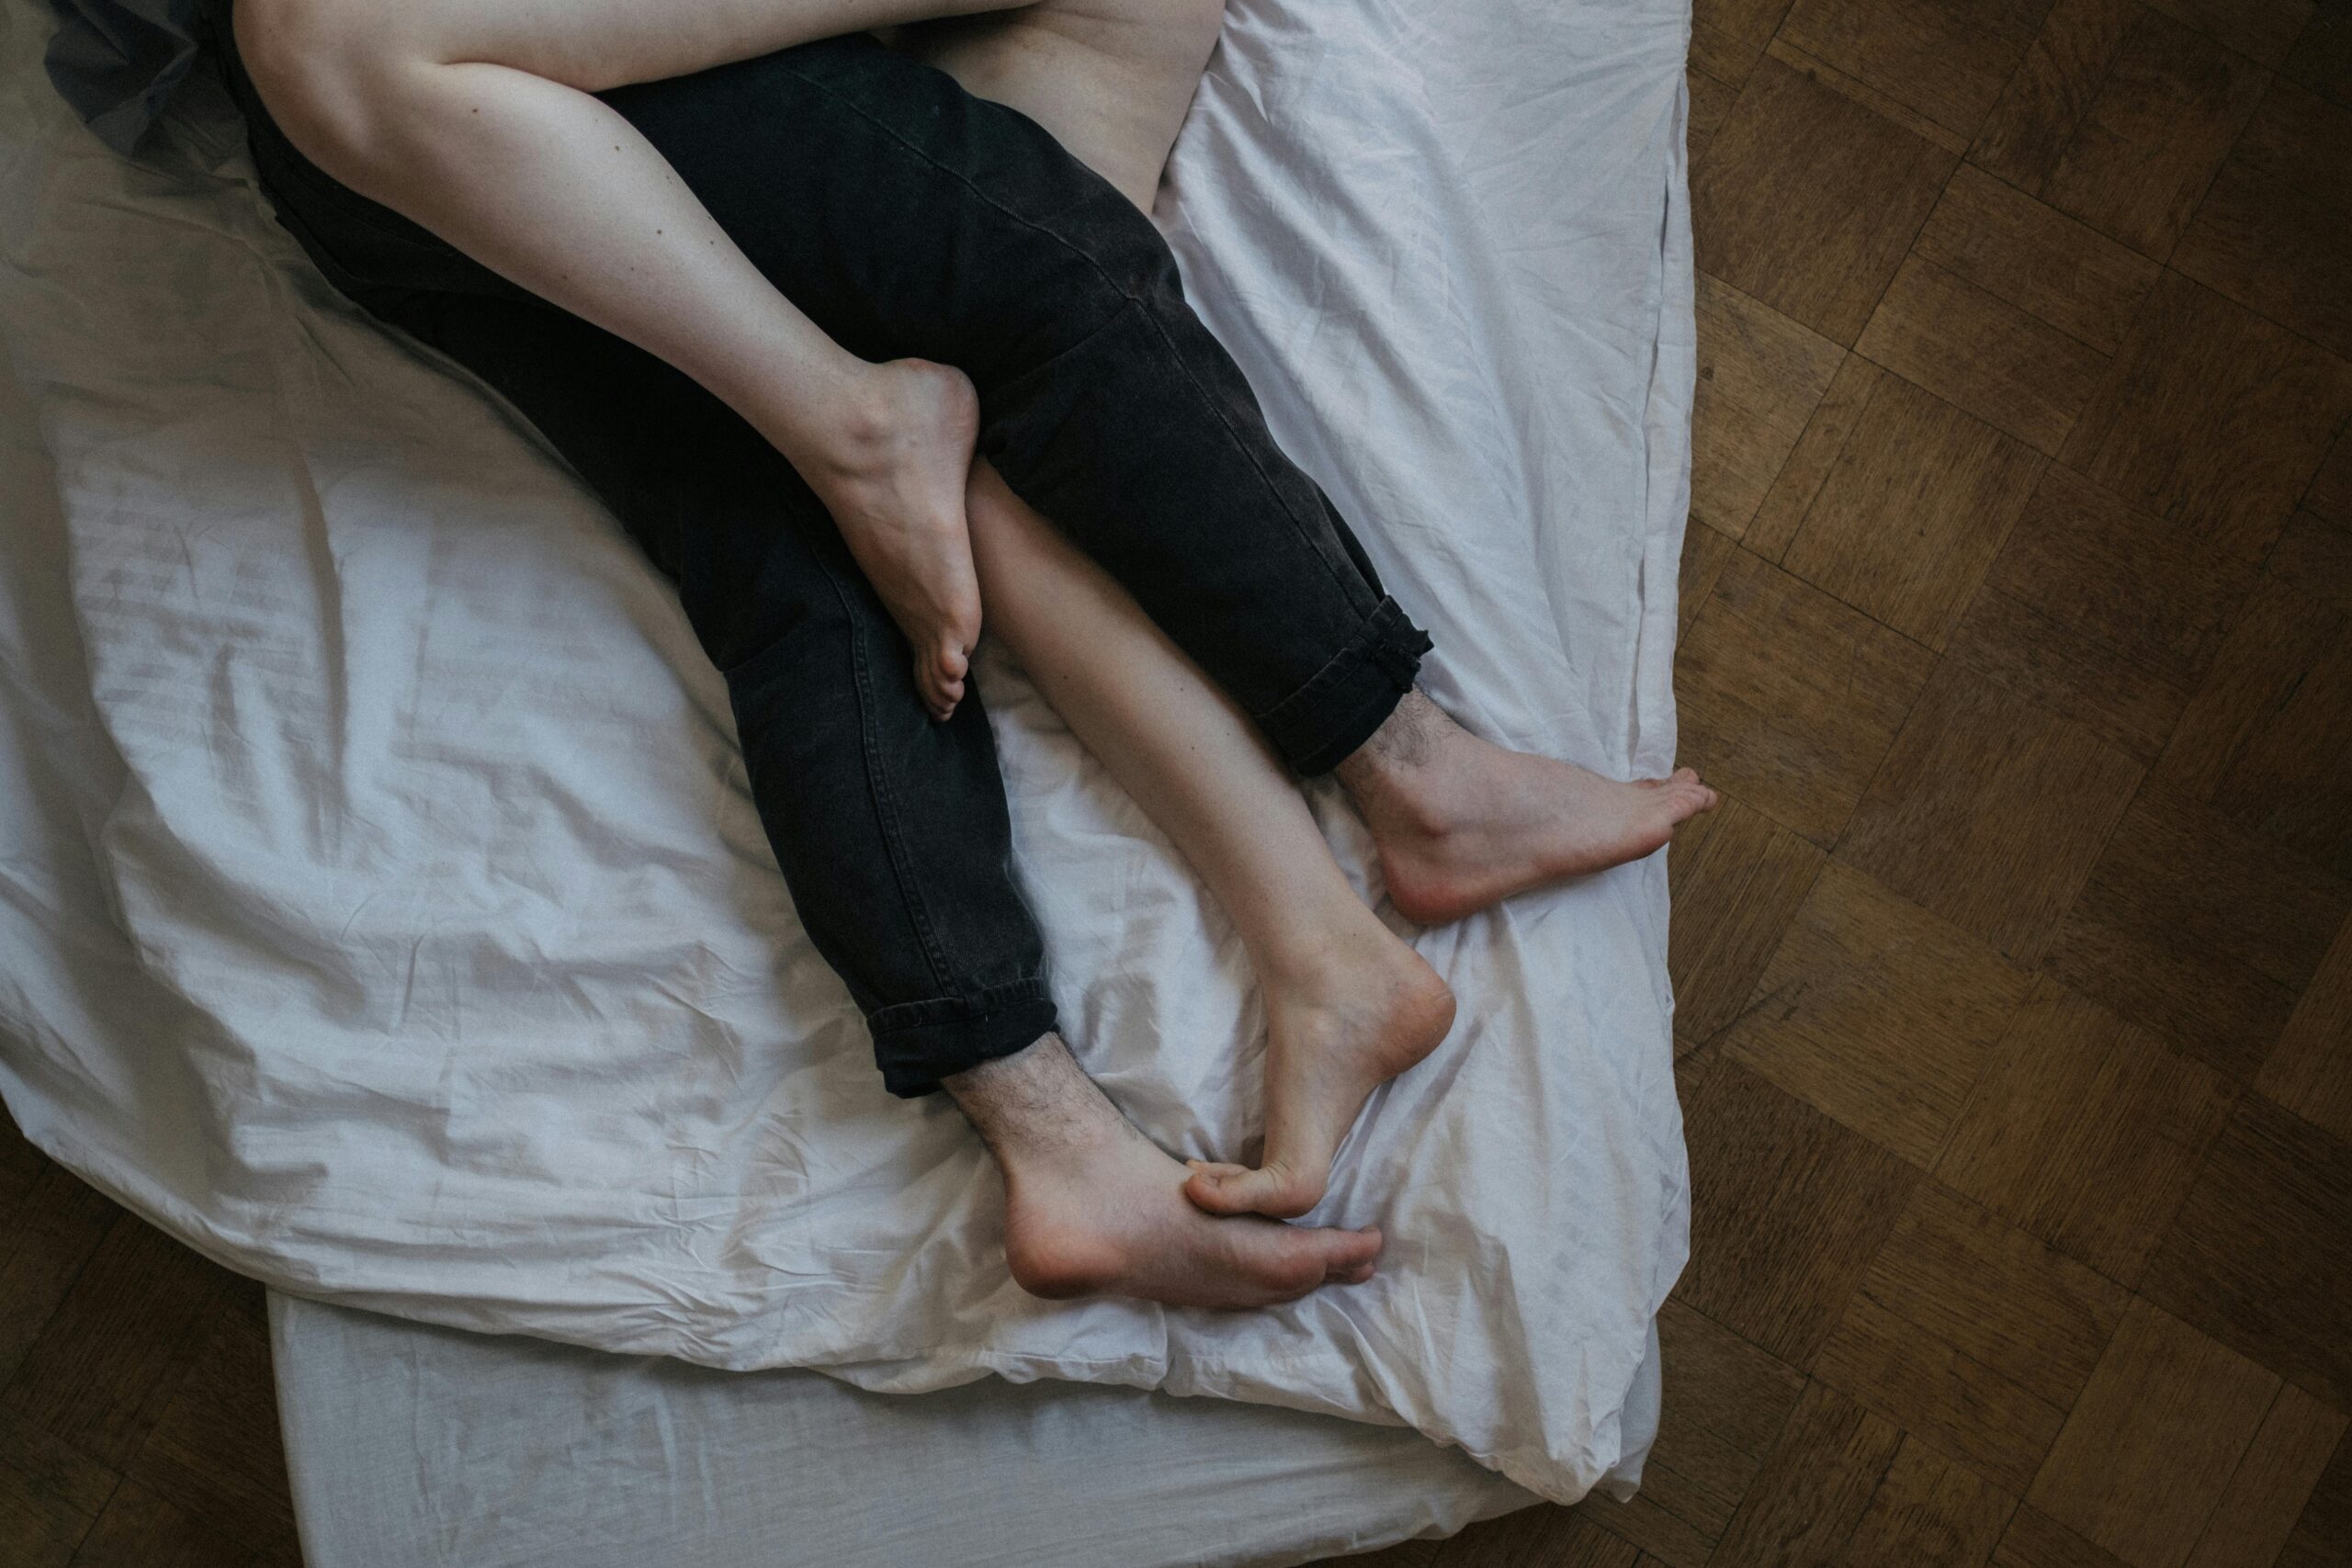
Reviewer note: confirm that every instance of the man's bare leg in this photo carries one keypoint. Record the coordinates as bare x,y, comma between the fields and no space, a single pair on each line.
1462,824
1093,1208
475,119
1347,1005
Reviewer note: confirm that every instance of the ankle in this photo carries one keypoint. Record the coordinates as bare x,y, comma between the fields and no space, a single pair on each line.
1397,779
1034,1107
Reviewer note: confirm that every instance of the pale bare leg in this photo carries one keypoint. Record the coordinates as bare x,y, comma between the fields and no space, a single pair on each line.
474,118
1347,1005
1093,1208
1462,824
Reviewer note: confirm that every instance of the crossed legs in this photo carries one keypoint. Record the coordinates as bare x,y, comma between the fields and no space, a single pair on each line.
1459,823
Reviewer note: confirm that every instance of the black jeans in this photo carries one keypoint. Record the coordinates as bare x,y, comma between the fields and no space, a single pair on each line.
907,218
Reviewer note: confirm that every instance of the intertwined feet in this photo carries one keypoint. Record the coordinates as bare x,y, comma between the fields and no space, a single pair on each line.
1336,1031
1093,1208
1460,825
893,477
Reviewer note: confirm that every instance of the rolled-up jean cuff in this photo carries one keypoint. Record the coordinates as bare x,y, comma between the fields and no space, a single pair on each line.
918,1043
1318,727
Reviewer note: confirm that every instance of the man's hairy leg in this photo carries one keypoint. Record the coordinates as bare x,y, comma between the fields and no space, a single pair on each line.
1461,823
1093,1208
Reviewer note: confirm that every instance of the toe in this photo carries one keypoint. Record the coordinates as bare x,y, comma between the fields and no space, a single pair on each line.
1277,1190
1207,1184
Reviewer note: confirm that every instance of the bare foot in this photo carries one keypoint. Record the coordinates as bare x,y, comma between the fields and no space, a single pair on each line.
893,478
1093,1208
1333,1036
1461,824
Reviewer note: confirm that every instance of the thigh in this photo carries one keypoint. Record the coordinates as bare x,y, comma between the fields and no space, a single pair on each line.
1110,79
594,44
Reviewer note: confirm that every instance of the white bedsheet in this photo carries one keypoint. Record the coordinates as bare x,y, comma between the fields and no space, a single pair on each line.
463,987
417,1447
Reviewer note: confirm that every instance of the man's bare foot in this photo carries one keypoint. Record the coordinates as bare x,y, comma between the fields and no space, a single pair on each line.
1093,1208
1334,1033
1461,824
893,477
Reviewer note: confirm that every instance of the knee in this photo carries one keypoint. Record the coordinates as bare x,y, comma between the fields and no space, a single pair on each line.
329,73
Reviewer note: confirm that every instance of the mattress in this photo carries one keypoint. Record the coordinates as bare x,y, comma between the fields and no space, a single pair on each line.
416,1447
423,955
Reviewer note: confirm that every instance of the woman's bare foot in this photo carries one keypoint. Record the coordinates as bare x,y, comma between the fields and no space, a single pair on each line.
1093,1208
1334,1034
893,474
1461,824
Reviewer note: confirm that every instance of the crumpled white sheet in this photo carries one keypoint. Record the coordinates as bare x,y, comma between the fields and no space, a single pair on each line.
465,987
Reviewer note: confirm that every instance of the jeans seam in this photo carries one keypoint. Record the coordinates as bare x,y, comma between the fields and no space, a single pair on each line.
878,789
1130,297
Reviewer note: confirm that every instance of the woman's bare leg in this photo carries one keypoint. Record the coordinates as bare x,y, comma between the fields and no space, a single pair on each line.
1347,1005
475,119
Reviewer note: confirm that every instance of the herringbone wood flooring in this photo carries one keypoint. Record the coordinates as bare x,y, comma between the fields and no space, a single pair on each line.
2015,981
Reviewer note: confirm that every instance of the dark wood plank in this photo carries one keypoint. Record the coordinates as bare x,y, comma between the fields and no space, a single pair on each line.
1877,1013
1724,1404
2276,230
1814,1489
1761,376
2102,613
1930,1512
50,1495
2086,1131
1789,699
2212,417
2309,1069
2198,929
1787,1209
2056,268
216,1451
2262,30
2267,739
1728,37
2119,116
1990,812
2316,555
1973,1335
1705,553
107,1365
1782,511
2260,1256
1738,878
2148,1451
1981,354
2273,1482
139,1529
1541,1537
53,1231
1817,238
1912,511
2323,1537
2033,1540
2321,60
1947,60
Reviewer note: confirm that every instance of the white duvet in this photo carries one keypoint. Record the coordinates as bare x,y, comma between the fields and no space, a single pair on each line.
465,988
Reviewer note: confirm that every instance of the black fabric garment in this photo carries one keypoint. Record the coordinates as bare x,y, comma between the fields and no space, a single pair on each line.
907,218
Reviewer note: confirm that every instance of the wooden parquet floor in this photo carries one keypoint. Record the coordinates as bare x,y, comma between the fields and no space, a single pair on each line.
2016,976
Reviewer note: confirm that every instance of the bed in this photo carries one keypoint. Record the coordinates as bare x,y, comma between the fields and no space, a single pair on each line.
332,702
